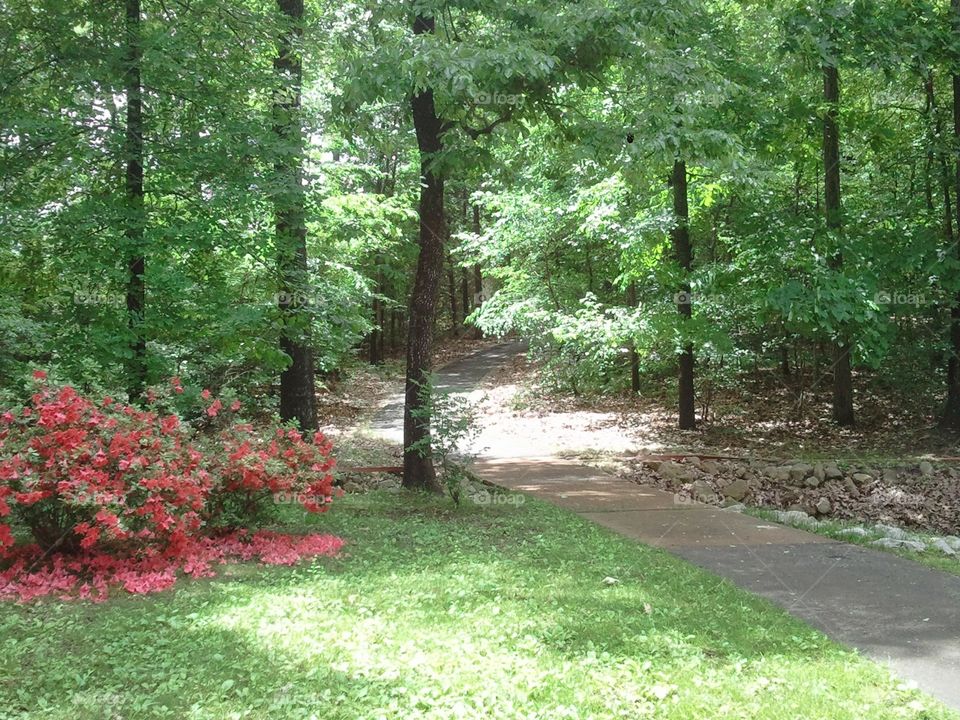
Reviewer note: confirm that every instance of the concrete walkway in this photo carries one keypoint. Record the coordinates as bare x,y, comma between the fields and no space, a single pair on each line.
893,610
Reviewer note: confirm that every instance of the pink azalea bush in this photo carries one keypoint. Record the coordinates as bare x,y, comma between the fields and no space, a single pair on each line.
121,495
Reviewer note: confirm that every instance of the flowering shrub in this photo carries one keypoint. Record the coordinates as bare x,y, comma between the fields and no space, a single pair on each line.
89,574
104,479
252,470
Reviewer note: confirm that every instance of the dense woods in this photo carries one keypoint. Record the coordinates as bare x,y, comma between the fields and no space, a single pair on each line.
251,194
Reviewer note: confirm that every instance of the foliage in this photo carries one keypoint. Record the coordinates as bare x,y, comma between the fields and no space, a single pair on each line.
453,429
106,477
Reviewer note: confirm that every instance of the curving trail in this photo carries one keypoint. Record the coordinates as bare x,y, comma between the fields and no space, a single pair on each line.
893,610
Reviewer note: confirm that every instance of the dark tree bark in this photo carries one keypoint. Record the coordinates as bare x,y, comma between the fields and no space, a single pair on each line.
135,221
683,252
452,291
418,470
477,271
634,360
842,375
297,390
376,335
465,294
951,411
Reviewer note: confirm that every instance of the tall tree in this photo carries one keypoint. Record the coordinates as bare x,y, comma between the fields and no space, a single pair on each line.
297,391
683,253
418,470
135,219
842,377
951,410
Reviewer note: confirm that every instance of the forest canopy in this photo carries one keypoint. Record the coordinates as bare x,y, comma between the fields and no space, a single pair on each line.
252,194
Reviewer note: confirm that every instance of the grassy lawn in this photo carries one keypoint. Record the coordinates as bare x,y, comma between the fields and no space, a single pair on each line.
503,611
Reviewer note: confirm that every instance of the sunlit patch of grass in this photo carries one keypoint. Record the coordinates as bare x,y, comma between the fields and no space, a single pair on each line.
501,611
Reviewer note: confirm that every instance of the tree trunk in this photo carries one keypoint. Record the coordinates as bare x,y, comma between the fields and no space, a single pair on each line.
297,391
376,334
464,294
135,220
418,470
634,360
683,251
477,272
951,411
452,291
842,377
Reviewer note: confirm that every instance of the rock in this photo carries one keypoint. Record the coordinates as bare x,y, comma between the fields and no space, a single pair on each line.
892,533
854,532
611,581
795,517
824,506
943,546
675,471
893,543
862,478
926,469
819,473
653,464
778,474
832,472
741,471
692,460
890,475
351,486
850,486
813,481
711,467
736,507
737,490
799,472
953,541
703,491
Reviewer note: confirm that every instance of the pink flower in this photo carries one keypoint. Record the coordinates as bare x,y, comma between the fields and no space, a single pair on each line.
215,408
235,405
205,394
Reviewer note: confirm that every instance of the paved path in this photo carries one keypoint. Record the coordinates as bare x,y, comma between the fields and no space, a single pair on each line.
894,610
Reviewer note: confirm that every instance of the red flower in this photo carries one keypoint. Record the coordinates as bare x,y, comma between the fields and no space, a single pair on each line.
39,375
215,408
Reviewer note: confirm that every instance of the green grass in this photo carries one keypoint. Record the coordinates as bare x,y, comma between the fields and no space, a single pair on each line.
485,612
834,529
